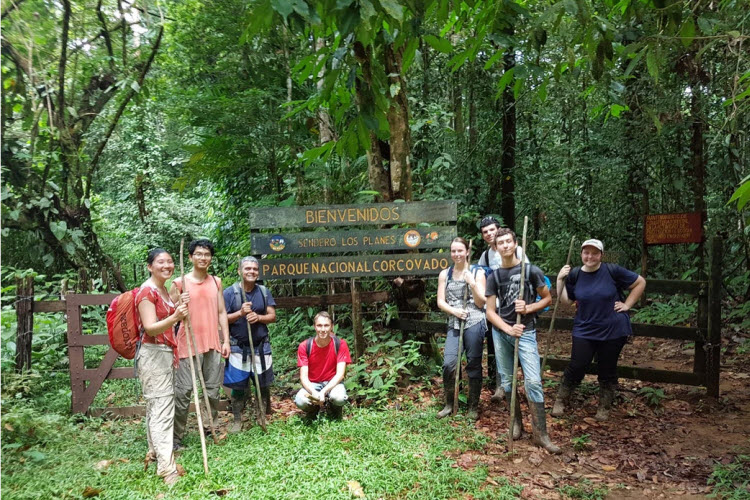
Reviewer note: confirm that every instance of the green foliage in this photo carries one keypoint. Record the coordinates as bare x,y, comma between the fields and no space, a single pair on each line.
581,443
653,396
584,490
386,364
388,452
731,481
47,348
677,310
24,427
58,120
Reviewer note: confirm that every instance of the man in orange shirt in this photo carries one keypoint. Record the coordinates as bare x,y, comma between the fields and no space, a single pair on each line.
207,315
322,365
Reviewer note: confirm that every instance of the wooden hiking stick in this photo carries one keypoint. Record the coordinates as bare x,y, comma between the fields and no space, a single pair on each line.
258,395
461,338
192,370
513,395
190,337
554,313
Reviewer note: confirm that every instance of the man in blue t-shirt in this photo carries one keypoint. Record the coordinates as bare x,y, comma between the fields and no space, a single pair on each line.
503,290
258,311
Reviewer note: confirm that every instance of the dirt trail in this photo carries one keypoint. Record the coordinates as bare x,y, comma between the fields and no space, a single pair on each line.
644,451
664,450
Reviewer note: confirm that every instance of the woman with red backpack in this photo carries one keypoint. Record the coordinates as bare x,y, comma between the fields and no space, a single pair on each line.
601,326
156,359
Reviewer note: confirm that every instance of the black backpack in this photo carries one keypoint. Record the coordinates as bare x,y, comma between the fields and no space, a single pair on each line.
336,344
573,278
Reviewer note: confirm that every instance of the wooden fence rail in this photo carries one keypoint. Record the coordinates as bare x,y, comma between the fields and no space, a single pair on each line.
86,382
706,335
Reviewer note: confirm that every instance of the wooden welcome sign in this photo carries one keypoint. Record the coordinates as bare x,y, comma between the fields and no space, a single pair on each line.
353,240
358,240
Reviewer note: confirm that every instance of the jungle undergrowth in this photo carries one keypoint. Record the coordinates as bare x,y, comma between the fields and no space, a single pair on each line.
393,454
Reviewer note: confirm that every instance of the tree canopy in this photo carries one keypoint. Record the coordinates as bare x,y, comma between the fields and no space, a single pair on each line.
127,125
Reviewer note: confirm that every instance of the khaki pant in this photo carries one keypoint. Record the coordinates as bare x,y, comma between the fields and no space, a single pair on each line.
156,375
211,364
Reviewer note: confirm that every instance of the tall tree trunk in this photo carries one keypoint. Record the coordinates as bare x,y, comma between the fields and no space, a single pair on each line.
508,162
398,122
389,163
377,170
457,106
324,119
698,162
473,133
425,51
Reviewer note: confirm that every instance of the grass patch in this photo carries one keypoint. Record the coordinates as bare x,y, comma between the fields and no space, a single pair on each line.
584,490
392,454
731,481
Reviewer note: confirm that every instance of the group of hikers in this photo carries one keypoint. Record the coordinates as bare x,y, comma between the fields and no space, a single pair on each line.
481,301
487,299
219,320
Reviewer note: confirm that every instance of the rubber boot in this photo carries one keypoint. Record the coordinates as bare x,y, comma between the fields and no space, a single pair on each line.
475,390
265,393
172,478
518,419
539,428
449,385
562,399
606,397
499,393
336,412
311,415
238,406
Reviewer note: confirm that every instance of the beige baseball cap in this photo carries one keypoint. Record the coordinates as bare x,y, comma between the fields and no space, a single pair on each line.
593,243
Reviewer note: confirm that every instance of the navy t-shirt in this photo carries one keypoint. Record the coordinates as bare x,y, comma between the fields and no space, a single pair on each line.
505,284
596,293
238,329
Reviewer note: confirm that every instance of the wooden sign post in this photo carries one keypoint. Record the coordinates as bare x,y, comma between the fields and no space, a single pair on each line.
670,229
667,229
358,250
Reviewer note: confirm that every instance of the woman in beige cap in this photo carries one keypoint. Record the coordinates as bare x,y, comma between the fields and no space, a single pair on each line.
602,324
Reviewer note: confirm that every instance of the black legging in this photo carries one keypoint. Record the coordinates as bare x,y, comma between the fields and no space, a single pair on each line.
582,353
473,344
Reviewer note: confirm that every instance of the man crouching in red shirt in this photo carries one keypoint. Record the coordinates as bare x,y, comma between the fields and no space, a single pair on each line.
322,364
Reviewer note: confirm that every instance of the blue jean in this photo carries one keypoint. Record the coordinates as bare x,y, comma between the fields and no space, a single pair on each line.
528,356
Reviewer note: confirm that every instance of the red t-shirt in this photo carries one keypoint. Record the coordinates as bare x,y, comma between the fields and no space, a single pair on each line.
164,309
323,360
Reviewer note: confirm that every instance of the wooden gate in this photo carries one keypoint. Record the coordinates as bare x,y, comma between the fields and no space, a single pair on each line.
86,382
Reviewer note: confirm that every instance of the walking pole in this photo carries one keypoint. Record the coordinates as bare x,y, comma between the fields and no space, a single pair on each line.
192,371
189,330
554,312
259,397
461,339
515,347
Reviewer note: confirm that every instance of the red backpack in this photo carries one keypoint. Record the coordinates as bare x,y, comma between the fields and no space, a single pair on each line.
124,325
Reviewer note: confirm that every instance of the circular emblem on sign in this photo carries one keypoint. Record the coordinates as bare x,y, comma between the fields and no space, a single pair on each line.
433,236
278,243
412,238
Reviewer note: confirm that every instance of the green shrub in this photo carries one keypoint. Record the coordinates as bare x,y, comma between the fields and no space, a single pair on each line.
731,481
